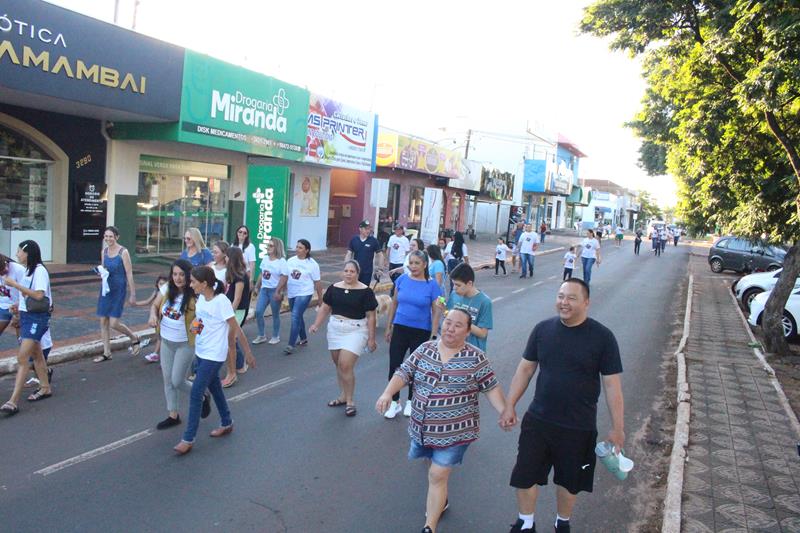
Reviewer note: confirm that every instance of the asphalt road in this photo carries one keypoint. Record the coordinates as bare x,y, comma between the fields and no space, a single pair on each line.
293,464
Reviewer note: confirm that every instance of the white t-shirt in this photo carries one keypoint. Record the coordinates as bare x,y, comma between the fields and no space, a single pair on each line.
9,295
398,248
527,241
219,273
40,281
590,247
271,272
173,322
620,231
302,275
569,260
501,252
249,254
47,340
449,248
211,327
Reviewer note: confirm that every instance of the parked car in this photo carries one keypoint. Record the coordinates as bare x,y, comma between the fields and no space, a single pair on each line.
747,287
791,312
744,255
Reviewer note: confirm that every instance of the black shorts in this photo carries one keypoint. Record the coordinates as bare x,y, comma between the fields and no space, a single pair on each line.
542,446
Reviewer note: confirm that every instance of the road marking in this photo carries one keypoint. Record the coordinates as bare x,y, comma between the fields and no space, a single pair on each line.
497,299
552,277
538,283
102,450
52,469
260,389
518,290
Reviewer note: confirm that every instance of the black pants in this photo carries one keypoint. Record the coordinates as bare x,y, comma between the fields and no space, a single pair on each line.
499,263
636,245
567,274
404,340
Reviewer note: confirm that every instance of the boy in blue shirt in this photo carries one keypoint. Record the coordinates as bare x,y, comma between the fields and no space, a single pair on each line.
467,297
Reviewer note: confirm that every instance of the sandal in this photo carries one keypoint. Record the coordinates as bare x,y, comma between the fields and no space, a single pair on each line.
229,383
336,403
350,410
102,358
136,347
9,409
39,395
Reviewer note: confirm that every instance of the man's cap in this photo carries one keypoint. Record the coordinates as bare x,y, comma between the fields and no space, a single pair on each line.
363,224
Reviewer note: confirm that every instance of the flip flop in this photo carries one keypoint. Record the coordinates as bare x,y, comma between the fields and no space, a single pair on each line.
227,384
336,403
102,358
39,395
350,410
9,409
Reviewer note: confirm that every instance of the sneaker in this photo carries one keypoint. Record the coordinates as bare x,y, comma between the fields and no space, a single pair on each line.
289,350
275,340
393,410
261,339
168,422
302,342
152,357
562,526
517,527
407,409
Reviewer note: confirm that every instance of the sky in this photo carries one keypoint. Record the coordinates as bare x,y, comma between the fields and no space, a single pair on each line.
432,68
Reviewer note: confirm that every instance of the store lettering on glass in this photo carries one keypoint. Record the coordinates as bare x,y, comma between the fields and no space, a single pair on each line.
26,29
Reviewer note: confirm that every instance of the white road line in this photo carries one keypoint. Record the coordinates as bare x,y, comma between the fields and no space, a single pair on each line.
260,389
518,290
52,469
538,283
497,299
552,277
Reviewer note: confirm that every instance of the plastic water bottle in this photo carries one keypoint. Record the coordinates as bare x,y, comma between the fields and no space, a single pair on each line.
616,463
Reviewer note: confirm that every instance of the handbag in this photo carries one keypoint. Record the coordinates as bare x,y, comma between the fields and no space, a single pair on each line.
32,305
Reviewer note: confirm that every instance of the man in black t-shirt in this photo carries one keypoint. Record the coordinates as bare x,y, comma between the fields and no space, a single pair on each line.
363,248
573,354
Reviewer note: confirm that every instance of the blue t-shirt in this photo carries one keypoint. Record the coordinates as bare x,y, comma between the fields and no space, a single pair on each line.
364,251
414,300
479,308
203,257
434,267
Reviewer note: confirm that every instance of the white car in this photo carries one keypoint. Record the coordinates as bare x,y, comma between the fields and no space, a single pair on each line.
747,287
791,312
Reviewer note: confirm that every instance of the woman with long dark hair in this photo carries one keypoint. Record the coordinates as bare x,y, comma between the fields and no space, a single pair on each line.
216,329
9,296
303,282
242,241
117,279
172,315
35,304
455,253
436,268
237,282
412,314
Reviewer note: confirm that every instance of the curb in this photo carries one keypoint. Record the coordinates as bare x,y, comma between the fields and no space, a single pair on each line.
671,521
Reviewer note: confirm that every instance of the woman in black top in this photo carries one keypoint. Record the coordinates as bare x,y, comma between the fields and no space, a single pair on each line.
351,306
237,281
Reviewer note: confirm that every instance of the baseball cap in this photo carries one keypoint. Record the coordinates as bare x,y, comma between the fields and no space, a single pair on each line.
363,224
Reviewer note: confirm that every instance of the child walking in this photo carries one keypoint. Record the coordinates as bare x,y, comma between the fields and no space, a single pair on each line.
500,256
569,263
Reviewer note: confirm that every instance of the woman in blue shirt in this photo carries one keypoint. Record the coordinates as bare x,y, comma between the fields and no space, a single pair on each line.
196,252
411,315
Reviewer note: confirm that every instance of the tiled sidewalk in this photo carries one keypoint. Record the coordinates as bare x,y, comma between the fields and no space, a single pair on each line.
742,470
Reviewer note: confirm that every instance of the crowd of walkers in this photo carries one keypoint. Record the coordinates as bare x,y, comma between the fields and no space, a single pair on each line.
437,344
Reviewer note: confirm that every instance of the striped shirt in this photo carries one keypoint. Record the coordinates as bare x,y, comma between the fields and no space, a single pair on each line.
445,404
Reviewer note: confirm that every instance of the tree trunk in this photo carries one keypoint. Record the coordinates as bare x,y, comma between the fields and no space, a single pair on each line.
773,312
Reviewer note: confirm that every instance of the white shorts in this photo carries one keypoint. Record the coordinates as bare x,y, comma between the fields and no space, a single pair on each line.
347,334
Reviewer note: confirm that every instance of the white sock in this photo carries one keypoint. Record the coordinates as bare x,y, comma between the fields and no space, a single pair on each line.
527,520
561,518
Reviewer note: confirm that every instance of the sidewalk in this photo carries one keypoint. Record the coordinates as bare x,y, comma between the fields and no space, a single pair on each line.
76,331
742,471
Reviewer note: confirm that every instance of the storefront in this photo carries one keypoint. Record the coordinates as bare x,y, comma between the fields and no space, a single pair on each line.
62,76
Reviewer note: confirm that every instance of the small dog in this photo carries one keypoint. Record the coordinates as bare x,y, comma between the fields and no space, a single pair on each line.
384,301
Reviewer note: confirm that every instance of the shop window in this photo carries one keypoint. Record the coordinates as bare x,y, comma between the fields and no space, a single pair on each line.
176,198
24,184
416,196
388,215
455,211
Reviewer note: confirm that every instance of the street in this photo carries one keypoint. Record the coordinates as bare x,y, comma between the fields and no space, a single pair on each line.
293,464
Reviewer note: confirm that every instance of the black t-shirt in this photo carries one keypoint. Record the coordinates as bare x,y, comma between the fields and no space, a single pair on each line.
350,303
244,303
364,251
571,360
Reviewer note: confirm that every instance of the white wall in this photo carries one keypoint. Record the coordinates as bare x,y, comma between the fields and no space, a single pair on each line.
315,229
486,221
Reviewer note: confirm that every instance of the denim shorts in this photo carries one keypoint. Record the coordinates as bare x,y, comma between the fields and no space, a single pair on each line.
5,315
446,457
33,325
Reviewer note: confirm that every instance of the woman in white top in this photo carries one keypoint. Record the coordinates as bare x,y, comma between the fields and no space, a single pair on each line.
242,241
34,320
590,253
220,263
270,288
303,282
9,296
215,330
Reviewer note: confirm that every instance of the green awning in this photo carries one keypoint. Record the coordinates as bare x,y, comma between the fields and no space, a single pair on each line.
575,195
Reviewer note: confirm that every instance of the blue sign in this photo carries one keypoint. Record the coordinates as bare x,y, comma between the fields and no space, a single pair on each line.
534,175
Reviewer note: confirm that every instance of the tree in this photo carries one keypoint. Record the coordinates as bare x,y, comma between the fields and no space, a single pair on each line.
723,101
648,209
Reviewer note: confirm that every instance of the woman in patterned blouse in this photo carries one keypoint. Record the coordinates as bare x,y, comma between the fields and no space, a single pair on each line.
447,375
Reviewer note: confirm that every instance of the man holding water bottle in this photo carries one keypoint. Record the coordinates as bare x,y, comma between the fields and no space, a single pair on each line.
573,354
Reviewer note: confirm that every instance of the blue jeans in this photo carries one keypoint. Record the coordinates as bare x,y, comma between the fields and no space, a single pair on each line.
527,259
588,263
298,306
266,297
206,377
